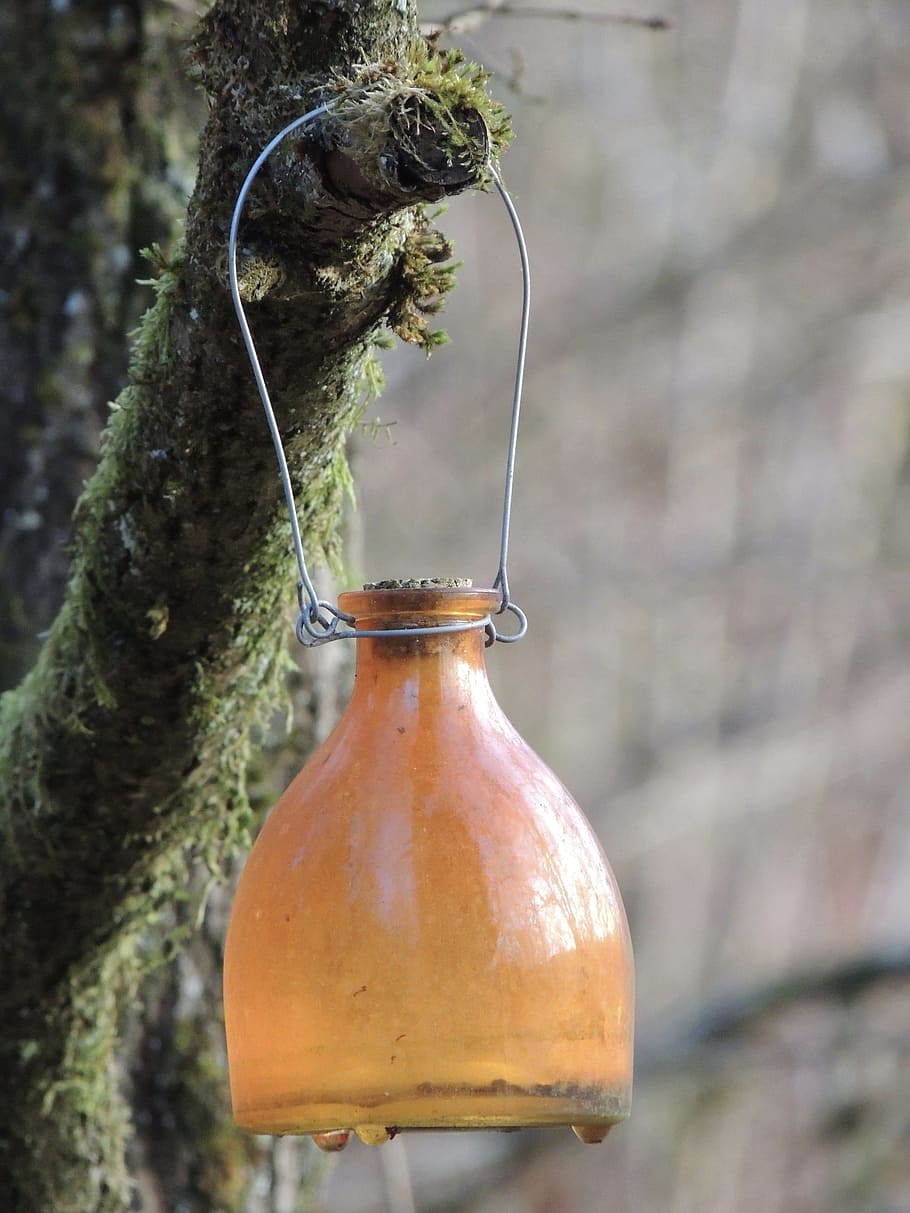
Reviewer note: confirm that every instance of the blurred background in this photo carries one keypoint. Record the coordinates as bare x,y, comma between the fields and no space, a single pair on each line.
712,541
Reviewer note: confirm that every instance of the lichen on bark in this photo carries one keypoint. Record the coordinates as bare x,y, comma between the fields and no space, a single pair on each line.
125,750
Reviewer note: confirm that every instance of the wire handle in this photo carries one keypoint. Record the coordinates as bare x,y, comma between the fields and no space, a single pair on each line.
320,621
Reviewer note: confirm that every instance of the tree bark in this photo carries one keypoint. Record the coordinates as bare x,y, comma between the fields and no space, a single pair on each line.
95,145
125,750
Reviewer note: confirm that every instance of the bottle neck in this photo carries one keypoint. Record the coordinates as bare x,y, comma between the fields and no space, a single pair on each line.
442,666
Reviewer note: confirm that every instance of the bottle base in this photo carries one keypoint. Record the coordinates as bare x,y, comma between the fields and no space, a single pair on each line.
590,1113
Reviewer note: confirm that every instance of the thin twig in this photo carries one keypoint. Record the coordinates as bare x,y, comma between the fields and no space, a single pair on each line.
480,12
841,982
396,1175
729,1018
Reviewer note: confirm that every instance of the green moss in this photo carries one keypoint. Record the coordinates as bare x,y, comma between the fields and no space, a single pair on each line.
428,274
258,276
428,83
454,84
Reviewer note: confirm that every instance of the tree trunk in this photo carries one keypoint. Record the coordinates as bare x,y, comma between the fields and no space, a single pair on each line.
95,144
124,753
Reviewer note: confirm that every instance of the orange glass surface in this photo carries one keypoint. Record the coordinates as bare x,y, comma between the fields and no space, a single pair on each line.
427,933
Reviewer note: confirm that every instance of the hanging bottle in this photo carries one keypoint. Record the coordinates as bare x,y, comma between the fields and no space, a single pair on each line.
427,934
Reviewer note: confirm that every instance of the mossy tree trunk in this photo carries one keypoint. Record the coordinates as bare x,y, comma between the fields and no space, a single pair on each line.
124,753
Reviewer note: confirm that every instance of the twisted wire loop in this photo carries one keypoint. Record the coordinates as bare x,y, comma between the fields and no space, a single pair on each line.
320,621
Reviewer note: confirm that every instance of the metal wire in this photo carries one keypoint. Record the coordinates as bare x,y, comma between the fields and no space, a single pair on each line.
502,577
319,620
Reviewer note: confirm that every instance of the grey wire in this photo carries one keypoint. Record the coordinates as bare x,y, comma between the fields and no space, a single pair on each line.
502,577
319,620
312,597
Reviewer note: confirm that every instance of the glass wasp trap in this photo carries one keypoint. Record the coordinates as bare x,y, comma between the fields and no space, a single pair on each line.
427,934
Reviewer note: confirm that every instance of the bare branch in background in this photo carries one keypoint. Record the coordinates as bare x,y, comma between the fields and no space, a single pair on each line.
474,15
842,982
727,1018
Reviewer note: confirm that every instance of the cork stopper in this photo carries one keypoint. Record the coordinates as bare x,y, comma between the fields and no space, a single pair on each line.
421,583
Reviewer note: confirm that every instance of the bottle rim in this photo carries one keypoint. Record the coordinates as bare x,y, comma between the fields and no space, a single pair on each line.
410,604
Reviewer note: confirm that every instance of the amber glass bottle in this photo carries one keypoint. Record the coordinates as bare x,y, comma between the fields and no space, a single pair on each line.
427,934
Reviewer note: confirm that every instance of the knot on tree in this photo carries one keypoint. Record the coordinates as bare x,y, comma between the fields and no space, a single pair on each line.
333,210
423,159
416,131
